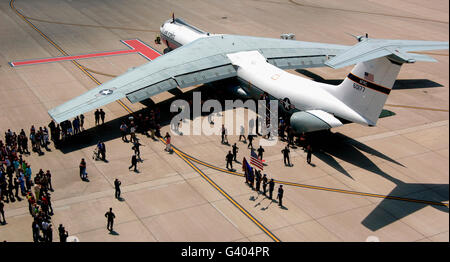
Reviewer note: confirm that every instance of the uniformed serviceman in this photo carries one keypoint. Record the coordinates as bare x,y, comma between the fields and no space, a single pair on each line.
235,150
223,133
285,152
251,177
258,180
271,187
309,153
280,195
264,180
260,152
229,159
250,141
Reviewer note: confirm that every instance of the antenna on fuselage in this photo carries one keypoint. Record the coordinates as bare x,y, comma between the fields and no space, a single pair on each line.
173,17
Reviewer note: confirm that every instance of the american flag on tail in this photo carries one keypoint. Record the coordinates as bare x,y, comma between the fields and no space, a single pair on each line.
368,76
255,161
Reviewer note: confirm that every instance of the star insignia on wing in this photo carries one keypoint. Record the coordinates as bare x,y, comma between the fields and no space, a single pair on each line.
105,92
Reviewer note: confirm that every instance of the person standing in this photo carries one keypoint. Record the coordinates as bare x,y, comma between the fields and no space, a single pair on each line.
271,187
235,150
264,181
136,149
102,115
223,132
16,187
260,152
250,141
97,117
81,122
49,179
83,174
242,134
49,233
63,234
124,130
103,151
258,180
280,195
167,138
31,202
117,184
2,211
133,163
251,177
133,132
35,228
285,152
229,159
44,227
49,203
309,153
98,151
22,183
110,216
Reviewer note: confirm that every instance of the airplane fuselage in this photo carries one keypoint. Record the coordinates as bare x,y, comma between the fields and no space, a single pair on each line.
302,93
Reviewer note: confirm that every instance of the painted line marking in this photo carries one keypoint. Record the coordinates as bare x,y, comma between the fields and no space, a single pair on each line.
135,45
265,230
418,107
243,210
229,220
143,49
322,188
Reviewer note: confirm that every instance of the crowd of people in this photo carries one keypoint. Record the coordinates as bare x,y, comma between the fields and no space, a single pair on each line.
146,124
17,182
16,179
61,132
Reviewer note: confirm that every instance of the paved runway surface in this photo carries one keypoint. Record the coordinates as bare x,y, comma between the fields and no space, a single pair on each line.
176,198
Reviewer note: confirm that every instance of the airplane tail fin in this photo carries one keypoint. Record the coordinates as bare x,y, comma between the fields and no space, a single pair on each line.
378,62
367,86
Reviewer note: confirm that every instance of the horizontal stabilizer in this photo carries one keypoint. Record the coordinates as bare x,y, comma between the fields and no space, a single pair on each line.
369,49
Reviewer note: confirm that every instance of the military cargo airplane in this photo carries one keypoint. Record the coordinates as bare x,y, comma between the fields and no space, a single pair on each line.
258,64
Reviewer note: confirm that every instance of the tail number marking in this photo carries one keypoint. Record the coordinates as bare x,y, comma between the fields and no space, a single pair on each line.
358,87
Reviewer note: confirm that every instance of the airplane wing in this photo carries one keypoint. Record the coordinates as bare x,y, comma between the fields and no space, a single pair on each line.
397,50
201,61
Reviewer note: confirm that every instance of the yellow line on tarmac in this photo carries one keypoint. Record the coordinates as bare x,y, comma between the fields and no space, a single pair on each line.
84,70
245,212
323,188
417,107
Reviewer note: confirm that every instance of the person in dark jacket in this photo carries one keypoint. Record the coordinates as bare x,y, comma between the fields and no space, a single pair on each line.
133,163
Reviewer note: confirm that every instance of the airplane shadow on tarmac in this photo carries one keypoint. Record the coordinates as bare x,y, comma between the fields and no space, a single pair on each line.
399,83
329,147
336,145
110,129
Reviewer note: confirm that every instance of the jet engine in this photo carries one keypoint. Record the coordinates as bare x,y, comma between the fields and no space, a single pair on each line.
313,120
